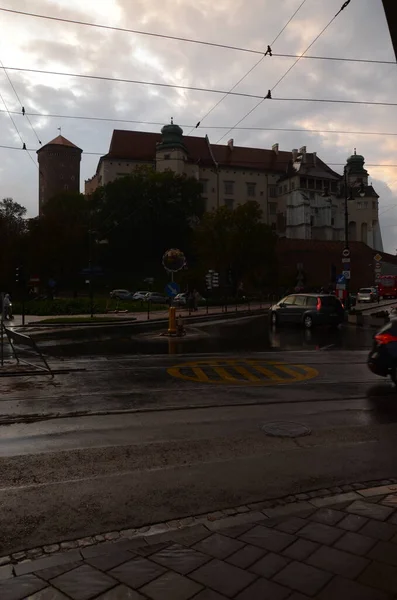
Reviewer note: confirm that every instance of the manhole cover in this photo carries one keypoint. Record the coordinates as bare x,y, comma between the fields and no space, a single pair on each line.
286,429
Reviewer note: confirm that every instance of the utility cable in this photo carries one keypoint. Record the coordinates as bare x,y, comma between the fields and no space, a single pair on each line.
161,123
23,112
269,95
18,132
198,89
249,71
187,40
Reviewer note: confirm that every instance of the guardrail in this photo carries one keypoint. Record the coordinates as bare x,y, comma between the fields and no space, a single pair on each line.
17,339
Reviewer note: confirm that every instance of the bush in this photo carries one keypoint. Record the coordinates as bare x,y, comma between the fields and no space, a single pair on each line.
79,306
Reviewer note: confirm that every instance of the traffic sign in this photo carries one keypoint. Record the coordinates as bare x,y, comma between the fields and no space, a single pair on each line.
346,252
346,260
172,289
378,257
341,279
378,267
346,274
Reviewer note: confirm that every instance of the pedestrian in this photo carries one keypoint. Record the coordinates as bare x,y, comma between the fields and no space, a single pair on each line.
196,296
7,307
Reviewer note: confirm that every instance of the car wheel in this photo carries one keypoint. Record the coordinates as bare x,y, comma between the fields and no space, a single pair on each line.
308,322
274,319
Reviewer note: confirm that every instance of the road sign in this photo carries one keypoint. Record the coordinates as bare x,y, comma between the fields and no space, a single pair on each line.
378,268
341,279
346,274
378,257
172,289
346,260
346,252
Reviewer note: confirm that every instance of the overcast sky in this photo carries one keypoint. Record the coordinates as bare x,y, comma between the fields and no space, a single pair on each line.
360,31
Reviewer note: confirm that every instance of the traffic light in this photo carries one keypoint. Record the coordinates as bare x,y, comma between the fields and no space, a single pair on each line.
19,275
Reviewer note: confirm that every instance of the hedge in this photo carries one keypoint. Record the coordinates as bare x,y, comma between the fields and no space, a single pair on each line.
79,306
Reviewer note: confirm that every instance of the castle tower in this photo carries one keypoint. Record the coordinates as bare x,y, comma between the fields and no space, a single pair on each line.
171,152
59,169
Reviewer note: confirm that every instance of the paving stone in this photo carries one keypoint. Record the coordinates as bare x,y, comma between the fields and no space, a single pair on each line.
5,560
235,532
242,509
245,557
337,499
250,518
19,555
36,552
291,525
137,572
180,559
19,588
328,516
338,562
222,577
384,552
149,549
48,593
262,589
372,511
339,589
83,583
171,586
109,561
302,496
190,536
269,565
317,532
69,545
47,562
112,535
393,518
298,596
87,541
378,490
390,500
380,576
209,595
352,522
355,543
121,592
52,572
267,538
6,571
288,509
300,549
51,548
303,578
122,545
218,546
379,530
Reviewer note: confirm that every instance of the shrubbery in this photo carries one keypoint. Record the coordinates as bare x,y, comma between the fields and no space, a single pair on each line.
79,306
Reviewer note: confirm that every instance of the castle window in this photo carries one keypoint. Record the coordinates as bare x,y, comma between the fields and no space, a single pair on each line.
251,190
167,156
229,187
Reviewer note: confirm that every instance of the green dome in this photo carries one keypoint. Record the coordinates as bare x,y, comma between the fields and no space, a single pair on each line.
172,137
172,130
356,158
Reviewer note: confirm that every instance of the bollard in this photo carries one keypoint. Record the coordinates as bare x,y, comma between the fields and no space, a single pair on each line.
172,320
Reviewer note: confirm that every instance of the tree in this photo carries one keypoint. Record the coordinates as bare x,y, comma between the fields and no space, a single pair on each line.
142,215
238,243
12,232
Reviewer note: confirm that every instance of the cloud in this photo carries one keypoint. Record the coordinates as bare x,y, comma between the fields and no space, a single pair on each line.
360,32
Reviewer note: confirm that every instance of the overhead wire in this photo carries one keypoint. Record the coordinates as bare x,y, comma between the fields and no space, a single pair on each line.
185,39
249,71
24,148
23,112
197,89
271,90
161,123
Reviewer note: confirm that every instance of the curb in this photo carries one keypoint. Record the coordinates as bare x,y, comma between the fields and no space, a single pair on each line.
27,561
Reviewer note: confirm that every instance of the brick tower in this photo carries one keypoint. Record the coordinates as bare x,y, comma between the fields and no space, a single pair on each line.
59,169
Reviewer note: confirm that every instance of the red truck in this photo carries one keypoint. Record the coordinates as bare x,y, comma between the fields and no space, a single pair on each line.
387,286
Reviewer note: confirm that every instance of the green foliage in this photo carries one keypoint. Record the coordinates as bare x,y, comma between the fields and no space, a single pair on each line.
237,240
79,306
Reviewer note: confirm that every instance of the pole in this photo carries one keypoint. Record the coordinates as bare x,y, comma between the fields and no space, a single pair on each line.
346,231
91,292
2,329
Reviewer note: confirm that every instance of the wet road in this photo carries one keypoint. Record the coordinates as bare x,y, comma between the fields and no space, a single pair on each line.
123,441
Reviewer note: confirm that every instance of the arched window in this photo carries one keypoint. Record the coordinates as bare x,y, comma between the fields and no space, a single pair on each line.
364,232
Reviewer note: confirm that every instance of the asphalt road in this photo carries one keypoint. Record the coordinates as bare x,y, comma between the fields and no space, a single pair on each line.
123,441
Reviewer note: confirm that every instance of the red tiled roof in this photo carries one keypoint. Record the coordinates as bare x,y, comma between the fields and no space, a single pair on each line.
141,145
60,141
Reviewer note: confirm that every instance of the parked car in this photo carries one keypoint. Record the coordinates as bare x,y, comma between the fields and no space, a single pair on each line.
180,299
367,295
308,309
140,295
156,298
121,294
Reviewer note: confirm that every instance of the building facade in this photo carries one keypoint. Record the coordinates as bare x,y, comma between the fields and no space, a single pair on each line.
59,169
300,196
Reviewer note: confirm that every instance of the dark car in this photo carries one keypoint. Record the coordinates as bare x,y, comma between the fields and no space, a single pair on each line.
308,309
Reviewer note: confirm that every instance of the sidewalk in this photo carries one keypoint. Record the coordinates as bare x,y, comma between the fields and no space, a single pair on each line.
330,547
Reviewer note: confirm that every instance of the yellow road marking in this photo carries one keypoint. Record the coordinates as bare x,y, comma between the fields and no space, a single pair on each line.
225,371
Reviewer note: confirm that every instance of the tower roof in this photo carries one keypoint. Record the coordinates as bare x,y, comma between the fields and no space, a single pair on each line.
60,141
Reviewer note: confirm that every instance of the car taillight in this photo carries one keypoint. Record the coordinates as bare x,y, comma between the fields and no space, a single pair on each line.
318,307
385,338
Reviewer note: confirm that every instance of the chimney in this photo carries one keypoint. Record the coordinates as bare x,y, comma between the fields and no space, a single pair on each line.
231,144
294,154
302,151
275,148
314,158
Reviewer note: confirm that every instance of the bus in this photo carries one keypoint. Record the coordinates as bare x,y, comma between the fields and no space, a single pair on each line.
387,286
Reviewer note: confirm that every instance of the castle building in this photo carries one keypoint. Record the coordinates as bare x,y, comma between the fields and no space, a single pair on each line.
59,169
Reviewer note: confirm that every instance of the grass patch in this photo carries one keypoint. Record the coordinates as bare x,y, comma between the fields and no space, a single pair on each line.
94,319
80,306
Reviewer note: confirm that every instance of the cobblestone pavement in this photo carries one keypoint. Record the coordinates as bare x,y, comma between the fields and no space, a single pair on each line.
338,547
